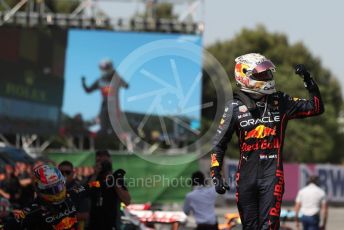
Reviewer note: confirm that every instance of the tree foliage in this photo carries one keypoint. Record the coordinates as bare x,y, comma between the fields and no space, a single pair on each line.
307,140
62,6
156,11
164,10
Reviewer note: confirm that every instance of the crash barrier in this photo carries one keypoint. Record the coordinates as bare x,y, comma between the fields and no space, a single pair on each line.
147,181
169,183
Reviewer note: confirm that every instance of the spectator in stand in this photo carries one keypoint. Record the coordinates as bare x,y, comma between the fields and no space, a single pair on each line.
28,169
78,175
84,173
10,187
82,207
201,203
88,171
5,209
311,202
27,191
105,204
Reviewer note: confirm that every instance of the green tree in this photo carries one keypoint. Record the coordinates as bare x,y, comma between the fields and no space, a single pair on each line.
158,11
164,10
58,6
307,140
8,3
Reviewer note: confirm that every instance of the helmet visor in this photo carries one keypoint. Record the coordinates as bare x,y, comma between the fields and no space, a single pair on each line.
104,67
264,66
54,190
263,76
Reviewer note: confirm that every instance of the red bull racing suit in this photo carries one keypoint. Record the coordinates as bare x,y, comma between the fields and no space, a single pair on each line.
259,178
106,89
41,216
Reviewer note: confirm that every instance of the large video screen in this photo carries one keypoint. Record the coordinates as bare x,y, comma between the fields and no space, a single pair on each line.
31,70
150,81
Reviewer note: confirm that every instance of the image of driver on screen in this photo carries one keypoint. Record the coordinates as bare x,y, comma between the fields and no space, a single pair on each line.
108,73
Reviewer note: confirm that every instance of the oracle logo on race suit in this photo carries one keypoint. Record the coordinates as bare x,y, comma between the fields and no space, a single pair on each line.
262,120
66,212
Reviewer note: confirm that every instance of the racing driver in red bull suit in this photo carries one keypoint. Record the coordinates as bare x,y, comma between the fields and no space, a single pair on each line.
104,85
259,116
54,208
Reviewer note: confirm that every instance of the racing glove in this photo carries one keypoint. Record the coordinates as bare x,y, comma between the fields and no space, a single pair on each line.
303,73
220,185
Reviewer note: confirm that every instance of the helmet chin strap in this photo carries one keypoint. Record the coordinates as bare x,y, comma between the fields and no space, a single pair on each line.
253,94
257,96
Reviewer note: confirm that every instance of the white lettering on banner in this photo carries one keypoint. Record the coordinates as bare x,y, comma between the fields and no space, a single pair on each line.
259,121
331,179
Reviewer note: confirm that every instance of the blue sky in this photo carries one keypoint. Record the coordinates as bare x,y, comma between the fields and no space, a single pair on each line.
86,49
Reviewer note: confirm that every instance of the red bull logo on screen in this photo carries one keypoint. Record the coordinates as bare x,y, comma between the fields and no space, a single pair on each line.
106,90
261,131
66,223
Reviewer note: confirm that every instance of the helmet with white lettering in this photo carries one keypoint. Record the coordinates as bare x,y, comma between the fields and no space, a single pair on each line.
50,184
253,73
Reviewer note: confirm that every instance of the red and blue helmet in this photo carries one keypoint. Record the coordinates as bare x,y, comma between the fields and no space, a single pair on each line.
50,184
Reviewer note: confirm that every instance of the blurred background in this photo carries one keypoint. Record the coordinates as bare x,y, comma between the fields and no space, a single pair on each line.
65,63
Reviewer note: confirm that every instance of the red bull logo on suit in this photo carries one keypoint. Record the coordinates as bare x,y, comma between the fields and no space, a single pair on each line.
261,144
66,223
261,131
